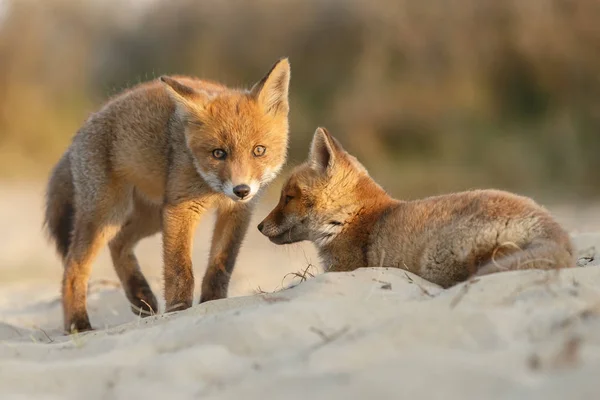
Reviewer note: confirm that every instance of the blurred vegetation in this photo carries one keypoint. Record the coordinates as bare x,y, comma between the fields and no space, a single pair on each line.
431,95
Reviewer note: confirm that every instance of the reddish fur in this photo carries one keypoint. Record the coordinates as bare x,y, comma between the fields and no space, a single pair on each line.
332,201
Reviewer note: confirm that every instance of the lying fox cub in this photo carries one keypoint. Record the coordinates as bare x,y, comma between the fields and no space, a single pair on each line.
332,201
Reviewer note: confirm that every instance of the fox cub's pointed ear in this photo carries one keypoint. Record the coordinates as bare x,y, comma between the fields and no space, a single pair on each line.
324,150
272,90
184,95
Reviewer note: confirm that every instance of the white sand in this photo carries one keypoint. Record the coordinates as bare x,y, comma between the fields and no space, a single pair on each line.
369,334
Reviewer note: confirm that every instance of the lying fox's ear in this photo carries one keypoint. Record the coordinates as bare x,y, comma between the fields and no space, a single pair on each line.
324,150
272,90
185,96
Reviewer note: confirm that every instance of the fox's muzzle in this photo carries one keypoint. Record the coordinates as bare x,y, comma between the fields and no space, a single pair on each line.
286,237
241,191
281,233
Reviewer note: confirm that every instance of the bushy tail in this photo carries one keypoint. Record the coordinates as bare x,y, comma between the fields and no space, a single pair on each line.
540,254
60,207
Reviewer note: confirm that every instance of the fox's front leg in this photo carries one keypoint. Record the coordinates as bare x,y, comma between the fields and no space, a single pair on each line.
179,223
230,229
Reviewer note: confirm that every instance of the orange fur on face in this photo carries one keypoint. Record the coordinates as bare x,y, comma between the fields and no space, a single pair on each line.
248,128
321,196
237,124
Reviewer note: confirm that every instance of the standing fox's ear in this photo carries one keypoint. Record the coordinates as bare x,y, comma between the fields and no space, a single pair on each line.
323,150
272,90
184,95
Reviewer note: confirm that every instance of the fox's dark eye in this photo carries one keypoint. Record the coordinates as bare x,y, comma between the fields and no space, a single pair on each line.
219,154
259,151
288,199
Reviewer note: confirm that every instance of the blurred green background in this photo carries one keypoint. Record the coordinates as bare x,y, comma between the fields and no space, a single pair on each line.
431,96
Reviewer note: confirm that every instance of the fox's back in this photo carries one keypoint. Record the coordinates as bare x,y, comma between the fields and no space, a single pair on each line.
131,130
462,223
141,114
467,208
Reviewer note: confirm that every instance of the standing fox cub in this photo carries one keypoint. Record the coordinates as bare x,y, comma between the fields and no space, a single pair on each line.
154,158
331,201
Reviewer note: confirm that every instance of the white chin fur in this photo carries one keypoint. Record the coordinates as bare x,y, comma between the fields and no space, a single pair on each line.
326,234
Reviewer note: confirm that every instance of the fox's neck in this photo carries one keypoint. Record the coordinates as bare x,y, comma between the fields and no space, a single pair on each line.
347,249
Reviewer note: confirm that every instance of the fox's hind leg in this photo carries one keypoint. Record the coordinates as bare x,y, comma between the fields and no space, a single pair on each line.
539,254
144,221
230,229
96,219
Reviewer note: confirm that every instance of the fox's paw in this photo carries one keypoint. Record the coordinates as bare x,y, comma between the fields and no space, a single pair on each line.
178,306
214,286
145,303
212,295
142,300
78,325
145,307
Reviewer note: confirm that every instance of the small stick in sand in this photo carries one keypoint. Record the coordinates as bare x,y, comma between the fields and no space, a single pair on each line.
423,290
302,274
463,292
329,338
50,340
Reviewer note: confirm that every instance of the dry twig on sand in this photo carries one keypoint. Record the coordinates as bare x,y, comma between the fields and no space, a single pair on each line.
463,291
303,275
423,290
329,338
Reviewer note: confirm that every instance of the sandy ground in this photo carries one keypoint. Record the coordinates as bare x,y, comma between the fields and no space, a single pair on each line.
372,333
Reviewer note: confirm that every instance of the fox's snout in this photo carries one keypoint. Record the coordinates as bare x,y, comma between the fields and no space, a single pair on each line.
281,229
267,228
241,191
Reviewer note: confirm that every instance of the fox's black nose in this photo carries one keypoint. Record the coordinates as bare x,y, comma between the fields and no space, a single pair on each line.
241,191
260,226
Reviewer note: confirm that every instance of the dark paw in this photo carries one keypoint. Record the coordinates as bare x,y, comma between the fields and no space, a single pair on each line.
78,325
142,300
210,296
145,306
214,285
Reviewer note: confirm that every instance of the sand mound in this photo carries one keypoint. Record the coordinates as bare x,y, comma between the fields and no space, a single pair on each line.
378,333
